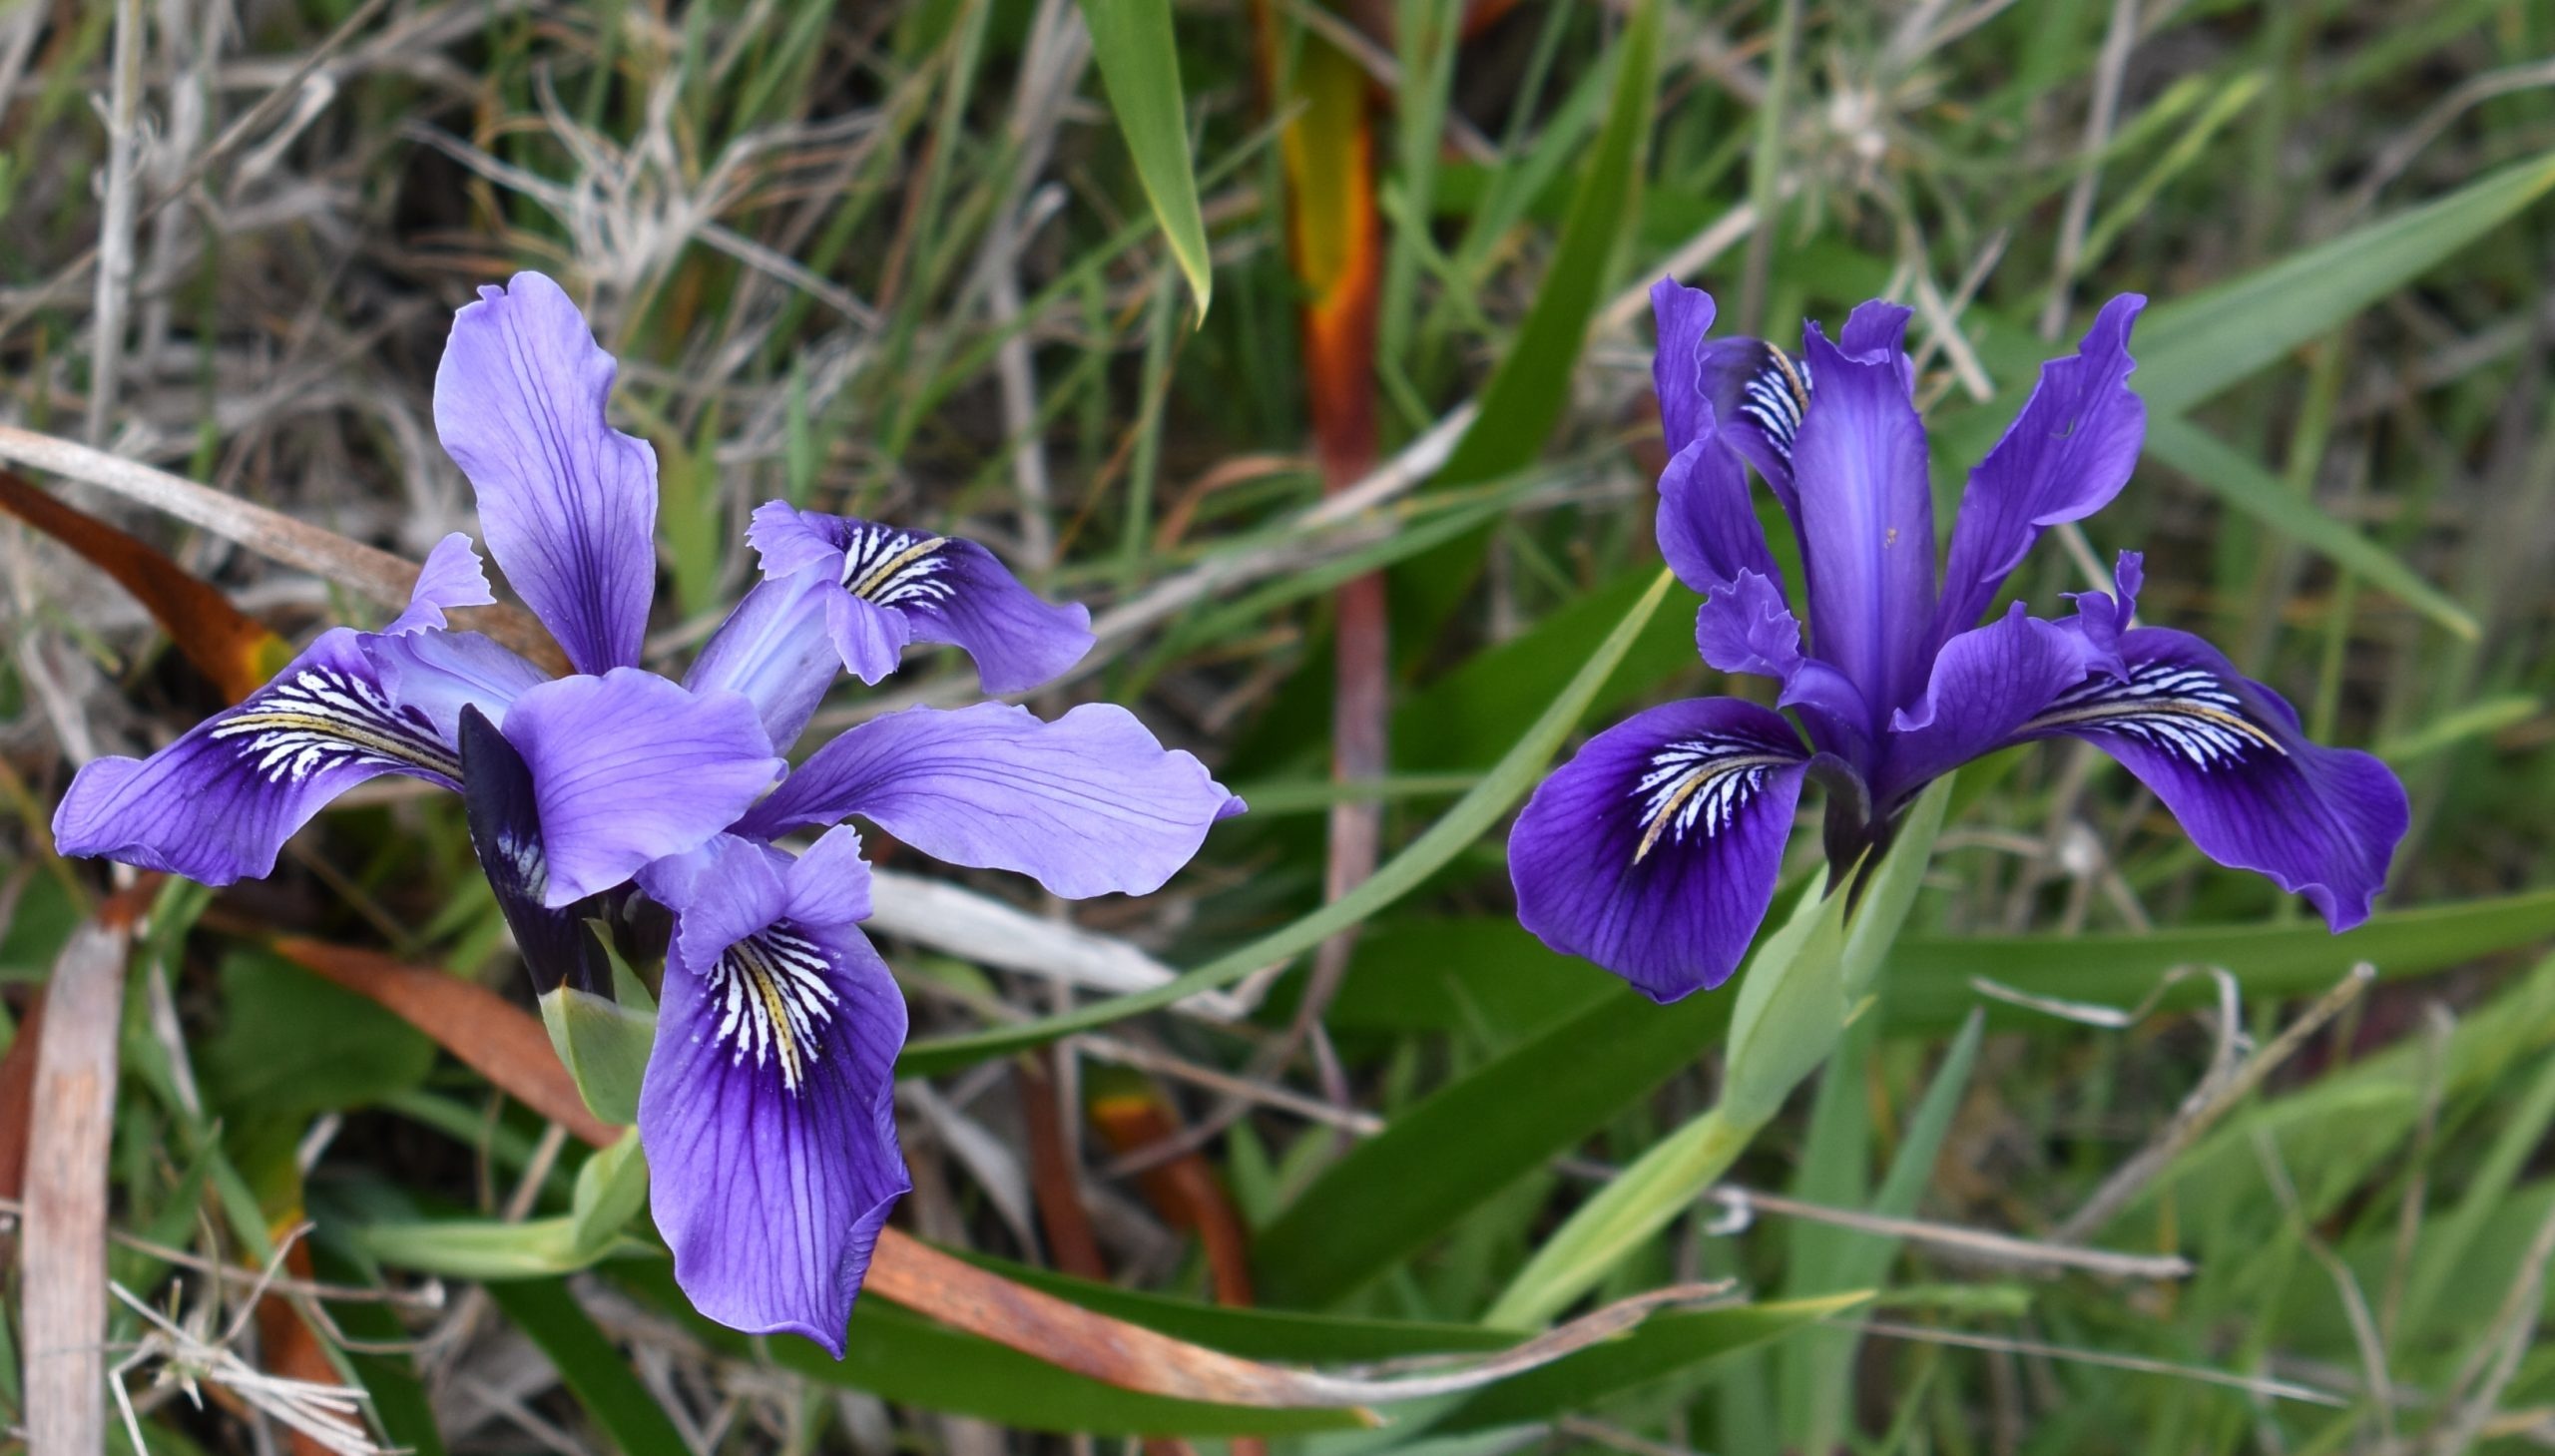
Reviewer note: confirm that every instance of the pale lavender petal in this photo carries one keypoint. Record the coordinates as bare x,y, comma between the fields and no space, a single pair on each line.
1086,804
926,588
721,892
829,885
629,768
568,503
451,577
217,804
868,639
788,539
2066,455
769,1116
1653,852
1987,683
1868,532
2226,755
775,650
1683,315
440,673
1708,528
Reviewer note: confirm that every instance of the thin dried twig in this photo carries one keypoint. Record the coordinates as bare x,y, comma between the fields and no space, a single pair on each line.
2250,1384
2208,1101
1975,1243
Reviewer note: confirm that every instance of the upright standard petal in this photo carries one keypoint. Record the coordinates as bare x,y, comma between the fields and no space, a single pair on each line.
1653,853
1086,804
451,577
2224,754
217,804
774,648
1682,316
1867,518
769,1116
629,767
569,504
2064,458
902,586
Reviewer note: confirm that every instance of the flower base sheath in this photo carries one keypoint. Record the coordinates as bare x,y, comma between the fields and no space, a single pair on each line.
1653,853
768,1109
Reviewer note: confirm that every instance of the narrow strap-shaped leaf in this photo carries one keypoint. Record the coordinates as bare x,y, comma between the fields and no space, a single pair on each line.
592,1368
2227,473
1470,817
1140,67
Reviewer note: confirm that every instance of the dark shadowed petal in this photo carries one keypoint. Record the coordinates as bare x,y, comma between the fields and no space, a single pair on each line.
505,832
2067,454
440,673
1868,532
768,1117
451,577
629,768
1683,315
1708,528
1653,852
1087,805
1758,395
1987,683
217,804
2224,754
774,648
568,503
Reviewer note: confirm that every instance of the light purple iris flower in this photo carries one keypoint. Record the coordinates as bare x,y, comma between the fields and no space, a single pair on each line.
768,1109
1653,853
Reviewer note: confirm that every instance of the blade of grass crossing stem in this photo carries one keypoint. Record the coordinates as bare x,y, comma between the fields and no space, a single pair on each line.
590,1365
1140,67
2196,347
1818,1365
1531,385
1665,1345
1470,817
2231,476
1529,389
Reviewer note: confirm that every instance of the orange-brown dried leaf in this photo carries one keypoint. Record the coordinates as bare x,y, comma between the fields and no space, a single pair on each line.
487,1033
225,645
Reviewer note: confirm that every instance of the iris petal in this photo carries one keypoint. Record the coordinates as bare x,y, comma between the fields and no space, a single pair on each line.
2226,755
629,768
2064,458
1653,852
1868,532
769,1116
773,649
900,586
1086,804
217,804
568,503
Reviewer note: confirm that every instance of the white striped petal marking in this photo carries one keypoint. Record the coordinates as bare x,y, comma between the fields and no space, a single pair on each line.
773,1001
889,567
1696,786
322,717
2182,709
1775,397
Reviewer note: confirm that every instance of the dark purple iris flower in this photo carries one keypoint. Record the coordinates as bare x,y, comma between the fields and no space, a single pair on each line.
768,1109
1653,853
